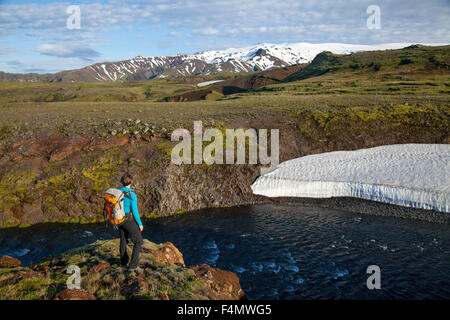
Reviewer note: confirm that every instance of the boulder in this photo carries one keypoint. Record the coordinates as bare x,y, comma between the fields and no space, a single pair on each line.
74,294
9,262
99,267
167,252
222,285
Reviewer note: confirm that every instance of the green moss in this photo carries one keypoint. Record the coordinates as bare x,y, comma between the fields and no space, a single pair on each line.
333,121
57,190
100,173
27,289
24,225
166,147
83,220
5,132
74,220
214,95
151,216
15,187
10,223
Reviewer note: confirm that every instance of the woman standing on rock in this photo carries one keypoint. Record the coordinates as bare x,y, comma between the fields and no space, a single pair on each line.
131,228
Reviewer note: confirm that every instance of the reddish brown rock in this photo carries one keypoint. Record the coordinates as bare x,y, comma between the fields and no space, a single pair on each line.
164,296
32,212
17,211
36,147
167,253
41,267
20,143
148,138
74,294
9,262
99,267
103,144
63,151
222,285
55,147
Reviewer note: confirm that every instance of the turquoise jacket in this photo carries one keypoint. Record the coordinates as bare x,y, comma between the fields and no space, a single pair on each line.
130,205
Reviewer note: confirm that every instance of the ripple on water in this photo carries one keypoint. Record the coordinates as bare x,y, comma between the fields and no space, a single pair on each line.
298,281
320,253
15,253
288,256
257,267
210,245
291,268
213,253
272,267
289,289
340,273
239,269
87,234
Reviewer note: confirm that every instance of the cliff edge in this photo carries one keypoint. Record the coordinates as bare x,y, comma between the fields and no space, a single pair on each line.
164,276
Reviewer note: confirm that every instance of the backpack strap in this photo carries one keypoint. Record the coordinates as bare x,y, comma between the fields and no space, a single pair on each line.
128,195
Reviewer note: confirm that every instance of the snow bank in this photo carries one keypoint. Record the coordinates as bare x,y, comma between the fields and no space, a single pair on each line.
206,83
411,175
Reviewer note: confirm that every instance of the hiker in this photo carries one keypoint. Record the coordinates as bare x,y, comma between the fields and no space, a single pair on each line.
131,228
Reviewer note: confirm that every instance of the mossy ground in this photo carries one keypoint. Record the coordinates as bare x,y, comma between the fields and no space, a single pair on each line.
332,121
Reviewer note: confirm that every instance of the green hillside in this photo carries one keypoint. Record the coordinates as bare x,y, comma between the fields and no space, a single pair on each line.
414,60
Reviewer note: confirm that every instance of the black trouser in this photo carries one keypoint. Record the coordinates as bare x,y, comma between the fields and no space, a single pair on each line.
130,230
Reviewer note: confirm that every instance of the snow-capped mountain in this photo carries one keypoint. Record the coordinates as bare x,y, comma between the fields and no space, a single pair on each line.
234,60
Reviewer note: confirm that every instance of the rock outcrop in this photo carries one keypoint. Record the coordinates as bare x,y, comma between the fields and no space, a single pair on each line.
74,294
9,262
167,252
222,285
164,276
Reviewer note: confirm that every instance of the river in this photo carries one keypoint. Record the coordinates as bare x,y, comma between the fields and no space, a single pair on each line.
282,252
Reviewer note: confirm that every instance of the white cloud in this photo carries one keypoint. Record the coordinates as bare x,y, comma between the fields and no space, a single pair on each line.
216,24
325,20
67,52
44,65
208,31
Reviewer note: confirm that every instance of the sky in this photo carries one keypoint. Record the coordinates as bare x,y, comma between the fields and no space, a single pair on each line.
49,36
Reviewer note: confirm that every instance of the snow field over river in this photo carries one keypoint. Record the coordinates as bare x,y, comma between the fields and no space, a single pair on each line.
411,175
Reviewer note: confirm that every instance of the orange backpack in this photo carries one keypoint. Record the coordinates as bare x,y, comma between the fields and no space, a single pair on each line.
113,210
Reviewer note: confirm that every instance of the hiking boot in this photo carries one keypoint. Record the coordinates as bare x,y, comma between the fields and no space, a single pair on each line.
137,269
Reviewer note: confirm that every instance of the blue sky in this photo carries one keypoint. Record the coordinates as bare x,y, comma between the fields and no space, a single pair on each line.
34,36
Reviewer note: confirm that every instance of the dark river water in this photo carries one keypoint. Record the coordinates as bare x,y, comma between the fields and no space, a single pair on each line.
282,252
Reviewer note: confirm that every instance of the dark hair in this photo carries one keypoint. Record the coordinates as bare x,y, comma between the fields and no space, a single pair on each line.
126,179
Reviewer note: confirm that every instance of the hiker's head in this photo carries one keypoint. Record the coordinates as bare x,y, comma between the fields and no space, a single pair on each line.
126,179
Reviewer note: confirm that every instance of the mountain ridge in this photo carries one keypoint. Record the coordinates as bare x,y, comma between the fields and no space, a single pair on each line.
248,59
